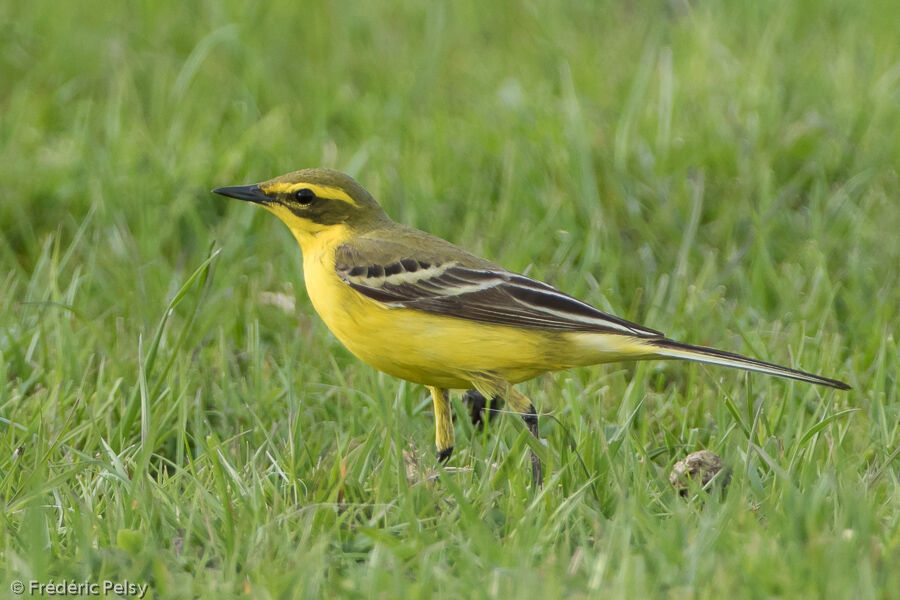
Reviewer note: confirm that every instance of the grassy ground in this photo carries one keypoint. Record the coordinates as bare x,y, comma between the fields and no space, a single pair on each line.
172,412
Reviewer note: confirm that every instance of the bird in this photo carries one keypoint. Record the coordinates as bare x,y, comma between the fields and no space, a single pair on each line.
419,308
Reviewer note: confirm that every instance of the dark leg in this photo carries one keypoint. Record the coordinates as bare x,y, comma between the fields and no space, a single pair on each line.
478,403
518,402
537,472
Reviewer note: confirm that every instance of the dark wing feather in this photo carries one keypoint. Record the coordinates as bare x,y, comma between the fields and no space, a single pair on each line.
480,292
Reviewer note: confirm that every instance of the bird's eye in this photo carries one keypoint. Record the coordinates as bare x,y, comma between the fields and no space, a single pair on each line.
304,196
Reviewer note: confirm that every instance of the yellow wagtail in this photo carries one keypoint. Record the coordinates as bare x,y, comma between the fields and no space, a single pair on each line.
419,308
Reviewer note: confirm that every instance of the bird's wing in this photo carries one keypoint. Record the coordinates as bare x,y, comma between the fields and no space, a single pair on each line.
446,280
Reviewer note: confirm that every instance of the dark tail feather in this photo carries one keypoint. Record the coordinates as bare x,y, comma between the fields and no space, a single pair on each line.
672,349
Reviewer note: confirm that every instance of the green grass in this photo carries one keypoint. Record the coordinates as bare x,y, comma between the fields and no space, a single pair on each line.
724,172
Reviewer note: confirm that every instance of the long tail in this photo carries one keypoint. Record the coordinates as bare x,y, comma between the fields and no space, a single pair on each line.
666,348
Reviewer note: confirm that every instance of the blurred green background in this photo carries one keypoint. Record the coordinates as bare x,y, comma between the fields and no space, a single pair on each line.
725,172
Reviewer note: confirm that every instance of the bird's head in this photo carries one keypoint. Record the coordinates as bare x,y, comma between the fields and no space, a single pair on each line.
313,203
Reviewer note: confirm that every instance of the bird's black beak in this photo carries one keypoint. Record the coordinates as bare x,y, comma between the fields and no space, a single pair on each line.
250,193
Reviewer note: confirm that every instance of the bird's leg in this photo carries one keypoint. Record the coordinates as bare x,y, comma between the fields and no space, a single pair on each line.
443,423
478,403
522,405
519,402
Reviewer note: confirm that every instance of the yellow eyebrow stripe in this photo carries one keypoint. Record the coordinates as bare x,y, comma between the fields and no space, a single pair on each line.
322,191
